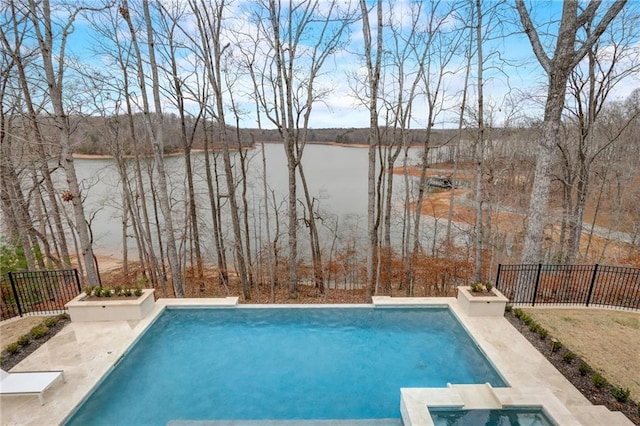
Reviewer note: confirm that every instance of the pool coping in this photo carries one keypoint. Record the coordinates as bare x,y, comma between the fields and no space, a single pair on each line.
88,351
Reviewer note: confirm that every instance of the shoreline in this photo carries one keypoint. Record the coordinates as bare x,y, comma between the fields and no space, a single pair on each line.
200,150
109,157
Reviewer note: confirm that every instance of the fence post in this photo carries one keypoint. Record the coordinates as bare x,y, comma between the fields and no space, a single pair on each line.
75,273
593,283
498,275
535,289
15,292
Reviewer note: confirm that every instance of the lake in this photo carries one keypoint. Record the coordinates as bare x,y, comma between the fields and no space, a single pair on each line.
336,175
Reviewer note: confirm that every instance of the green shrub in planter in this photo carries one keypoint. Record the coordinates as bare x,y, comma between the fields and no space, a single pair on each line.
50,322
621,394
12,348
555,345
598,381
542,332
584,369
24,340
568,356
476,287
39,331
117,291
88,290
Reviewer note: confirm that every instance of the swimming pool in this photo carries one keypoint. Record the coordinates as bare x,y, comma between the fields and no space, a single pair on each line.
284,363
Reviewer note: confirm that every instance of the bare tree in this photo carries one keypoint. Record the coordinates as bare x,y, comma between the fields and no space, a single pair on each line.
19,226
13,34
608,63
154,127
213,190
440,43
209,20
54,66
287,90
373,61
458,138
479,151
568,52
403,77
171,19
122,136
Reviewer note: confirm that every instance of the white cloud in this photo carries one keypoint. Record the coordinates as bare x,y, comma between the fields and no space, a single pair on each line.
511,69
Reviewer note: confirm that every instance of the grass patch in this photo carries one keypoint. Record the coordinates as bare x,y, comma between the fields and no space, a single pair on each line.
595,349
25,344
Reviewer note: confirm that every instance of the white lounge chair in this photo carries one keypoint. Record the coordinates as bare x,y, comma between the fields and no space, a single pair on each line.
28,382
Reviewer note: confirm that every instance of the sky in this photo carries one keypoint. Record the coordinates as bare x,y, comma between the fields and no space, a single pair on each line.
514,86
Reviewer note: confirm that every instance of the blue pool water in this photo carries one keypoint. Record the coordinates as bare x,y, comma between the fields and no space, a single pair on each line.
279,363
505,417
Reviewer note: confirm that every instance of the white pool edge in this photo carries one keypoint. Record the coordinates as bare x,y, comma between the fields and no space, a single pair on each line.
526,371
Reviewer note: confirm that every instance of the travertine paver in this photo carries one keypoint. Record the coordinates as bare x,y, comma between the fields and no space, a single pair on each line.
86,351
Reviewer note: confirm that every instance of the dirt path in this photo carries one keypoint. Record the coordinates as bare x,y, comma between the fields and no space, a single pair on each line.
607,340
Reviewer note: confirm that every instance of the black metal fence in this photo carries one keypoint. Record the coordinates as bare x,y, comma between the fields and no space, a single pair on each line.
37,291
588,285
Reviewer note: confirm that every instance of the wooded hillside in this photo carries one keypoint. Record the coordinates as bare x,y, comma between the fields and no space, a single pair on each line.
546,167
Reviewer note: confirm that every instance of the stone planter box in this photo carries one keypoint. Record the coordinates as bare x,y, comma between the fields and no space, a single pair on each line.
111,310
481,306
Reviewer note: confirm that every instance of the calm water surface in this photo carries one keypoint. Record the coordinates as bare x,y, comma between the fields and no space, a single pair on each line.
506,417
274,363
337,179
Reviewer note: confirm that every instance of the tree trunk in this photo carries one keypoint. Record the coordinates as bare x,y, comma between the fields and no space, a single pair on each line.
479,155
373,61
157,141
537,217
54,83
270,251
213,204
14,52
209,29
187,143
316,255
151,263
293,222
565,58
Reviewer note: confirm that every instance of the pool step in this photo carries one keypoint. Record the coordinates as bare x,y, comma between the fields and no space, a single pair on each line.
353,422
477,396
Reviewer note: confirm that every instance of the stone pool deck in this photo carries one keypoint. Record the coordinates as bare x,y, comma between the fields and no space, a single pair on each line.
87,351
